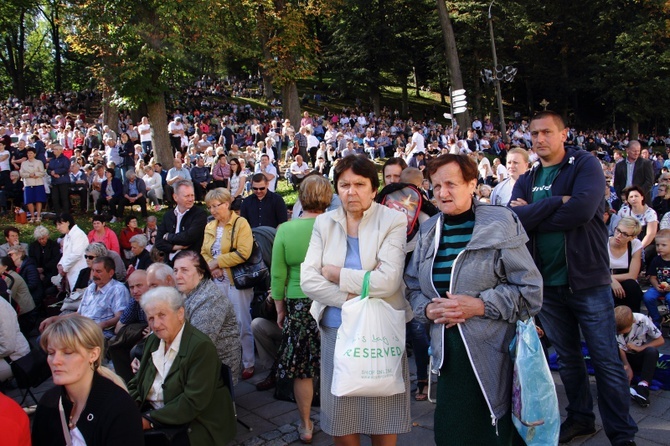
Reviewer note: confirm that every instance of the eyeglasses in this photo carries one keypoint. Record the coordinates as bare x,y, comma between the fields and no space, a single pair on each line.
214,206
258,188
89,257
619,231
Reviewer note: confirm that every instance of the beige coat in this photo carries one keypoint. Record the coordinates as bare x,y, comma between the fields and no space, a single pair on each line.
34,167
381,235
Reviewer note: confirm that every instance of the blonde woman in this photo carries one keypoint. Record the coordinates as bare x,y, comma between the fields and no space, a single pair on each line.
89,404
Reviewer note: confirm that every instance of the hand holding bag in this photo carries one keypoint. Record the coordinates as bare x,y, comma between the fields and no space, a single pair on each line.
369,348
535,410
253,271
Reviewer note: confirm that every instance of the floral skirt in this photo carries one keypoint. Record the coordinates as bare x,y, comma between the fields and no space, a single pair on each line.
300,349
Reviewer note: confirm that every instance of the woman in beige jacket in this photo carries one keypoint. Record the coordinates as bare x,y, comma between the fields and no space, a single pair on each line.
32,172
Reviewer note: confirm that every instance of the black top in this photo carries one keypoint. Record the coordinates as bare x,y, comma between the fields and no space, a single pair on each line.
270,211
110,417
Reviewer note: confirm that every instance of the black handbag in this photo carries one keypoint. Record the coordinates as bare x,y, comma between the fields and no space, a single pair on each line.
253,271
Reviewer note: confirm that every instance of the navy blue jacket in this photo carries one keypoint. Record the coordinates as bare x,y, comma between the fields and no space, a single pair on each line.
61,166
117,186
580,218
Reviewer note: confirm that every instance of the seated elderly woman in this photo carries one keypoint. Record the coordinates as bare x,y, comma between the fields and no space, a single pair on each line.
179,381
28,270
207,308
19,293
46,253
141,258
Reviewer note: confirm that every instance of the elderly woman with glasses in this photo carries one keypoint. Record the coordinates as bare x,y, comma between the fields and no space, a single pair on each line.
221,253
28,270
625,253
179,382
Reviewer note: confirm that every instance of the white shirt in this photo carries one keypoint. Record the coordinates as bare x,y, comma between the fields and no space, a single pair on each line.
272,171
4,165
299,170
622,261
501,172
144,137
163,361
419,141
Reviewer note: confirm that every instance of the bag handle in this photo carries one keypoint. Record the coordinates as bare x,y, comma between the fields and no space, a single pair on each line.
232,237
366,285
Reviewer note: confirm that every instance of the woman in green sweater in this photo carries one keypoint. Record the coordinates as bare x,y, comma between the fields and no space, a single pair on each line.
299,353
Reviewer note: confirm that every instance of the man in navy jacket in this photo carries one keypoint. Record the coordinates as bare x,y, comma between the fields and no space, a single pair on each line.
560,202
59,170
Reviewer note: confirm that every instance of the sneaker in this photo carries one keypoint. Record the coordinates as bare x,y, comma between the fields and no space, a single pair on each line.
571,429
640,395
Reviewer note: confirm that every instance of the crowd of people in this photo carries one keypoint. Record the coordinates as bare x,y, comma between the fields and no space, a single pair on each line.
172,324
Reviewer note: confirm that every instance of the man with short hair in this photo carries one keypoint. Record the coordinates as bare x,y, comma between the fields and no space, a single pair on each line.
176,131
59,171
134,192
184,226
177,173
560,203
264,207
201,177
104,300
270,172
634,171
298,170
122,344
144,129
160,274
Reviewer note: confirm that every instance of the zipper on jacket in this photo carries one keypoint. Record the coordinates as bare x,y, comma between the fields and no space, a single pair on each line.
436,248
494,420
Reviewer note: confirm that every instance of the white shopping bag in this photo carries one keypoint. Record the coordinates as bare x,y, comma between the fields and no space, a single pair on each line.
369,348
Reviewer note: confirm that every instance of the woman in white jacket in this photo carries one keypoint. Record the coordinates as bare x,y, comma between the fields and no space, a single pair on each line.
360,236
74,246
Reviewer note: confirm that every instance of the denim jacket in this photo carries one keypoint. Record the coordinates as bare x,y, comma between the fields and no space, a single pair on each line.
496,267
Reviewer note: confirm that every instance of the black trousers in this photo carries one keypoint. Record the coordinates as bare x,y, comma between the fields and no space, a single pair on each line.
644,363
113,204
142,202
60,197
633,297
82,193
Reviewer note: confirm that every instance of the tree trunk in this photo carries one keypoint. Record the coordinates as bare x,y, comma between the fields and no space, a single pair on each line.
404,102
453,63
417,92
161,141
634,129
110,114
291,103
376,99
267,77
55,37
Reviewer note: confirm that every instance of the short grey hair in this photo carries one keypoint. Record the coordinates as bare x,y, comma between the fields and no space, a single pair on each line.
97,249
140,239
161,270
40,232
131,173
166,294
151,218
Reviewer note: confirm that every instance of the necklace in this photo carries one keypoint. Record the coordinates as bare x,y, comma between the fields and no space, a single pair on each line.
71,421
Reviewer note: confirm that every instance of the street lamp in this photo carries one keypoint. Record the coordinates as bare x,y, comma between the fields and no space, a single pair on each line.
496,82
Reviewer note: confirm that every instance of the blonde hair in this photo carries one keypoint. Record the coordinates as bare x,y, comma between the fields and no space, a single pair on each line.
219,194
623,316
631,223
520,151
315,193
77,332
662,234
411,175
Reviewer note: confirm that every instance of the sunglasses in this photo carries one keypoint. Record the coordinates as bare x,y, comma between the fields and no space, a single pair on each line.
259,188
89,257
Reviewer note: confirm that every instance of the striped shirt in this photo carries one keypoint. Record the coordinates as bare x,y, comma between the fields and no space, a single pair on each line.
456,234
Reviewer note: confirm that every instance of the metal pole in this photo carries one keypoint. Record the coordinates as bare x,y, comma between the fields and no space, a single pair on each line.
496,82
